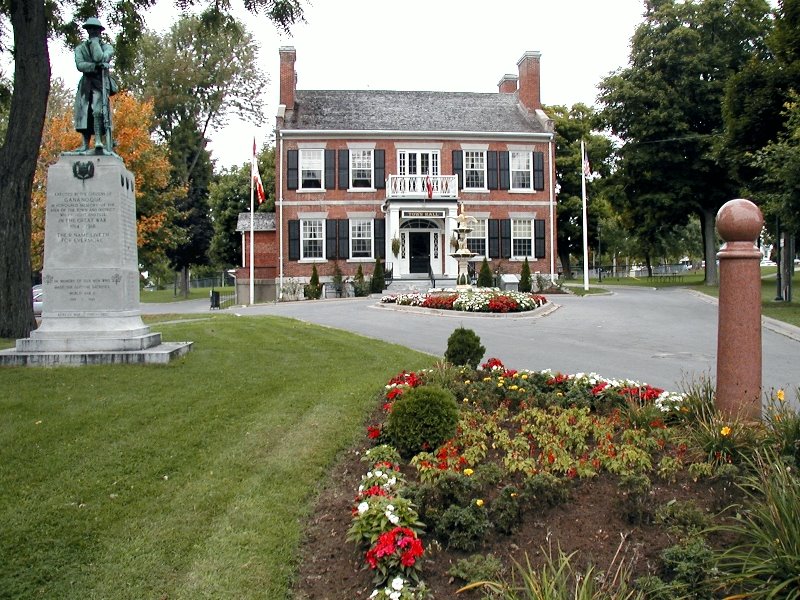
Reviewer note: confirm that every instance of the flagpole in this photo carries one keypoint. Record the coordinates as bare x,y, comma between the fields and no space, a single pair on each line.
585,220
252,230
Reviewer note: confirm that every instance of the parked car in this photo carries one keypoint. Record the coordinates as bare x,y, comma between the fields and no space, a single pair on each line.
38,299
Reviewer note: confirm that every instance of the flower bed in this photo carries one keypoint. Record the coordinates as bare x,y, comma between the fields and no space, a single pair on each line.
489,300
524,440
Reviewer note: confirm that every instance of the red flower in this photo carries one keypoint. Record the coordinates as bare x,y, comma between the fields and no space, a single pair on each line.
599,388
492,363
373,432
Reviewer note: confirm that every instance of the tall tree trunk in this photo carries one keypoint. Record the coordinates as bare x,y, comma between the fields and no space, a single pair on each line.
18,164
566,268
708,222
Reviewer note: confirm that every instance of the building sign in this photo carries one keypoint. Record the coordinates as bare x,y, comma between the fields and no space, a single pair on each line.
423,214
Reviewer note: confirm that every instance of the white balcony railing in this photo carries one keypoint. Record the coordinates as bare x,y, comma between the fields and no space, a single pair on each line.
416,186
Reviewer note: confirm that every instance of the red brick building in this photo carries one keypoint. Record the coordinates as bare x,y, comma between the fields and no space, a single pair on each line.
359,170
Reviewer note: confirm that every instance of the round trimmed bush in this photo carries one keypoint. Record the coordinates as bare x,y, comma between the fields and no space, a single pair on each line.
464,348
422,418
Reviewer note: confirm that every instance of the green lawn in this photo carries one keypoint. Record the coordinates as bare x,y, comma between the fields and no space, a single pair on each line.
190,480
169,295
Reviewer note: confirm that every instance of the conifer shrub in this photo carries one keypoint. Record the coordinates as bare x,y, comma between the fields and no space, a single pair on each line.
485,274
422,418
360,287
464,348
525,281
463,527
378,282
313,290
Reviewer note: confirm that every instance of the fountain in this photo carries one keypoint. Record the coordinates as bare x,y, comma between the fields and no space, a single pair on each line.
462,253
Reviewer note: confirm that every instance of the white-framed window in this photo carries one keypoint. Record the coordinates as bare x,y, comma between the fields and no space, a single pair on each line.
312,169
476,239
474,169
361,169
521,238
521,170
361,238
312,238
418,162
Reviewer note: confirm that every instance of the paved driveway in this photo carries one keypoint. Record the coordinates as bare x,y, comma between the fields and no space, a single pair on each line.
662,337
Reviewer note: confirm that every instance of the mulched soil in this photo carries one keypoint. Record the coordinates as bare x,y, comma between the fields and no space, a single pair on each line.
591,523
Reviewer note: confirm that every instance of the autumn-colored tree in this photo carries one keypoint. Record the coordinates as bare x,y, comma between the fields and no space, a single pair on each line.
148,161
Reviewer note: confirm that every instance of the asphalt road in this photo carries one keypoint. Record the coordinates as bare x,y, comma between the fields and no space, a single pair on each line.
664,337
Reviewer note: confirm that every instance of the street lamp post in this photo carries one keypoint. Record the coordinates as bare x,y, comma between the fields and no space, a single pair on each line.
779,293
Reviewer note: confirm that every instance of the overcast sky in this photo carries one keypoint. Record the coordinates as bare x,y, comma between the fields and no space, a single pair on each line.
442,45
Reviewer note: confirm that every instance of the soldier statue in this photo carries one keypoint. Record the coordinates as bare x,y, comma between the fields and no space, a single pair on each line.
92,108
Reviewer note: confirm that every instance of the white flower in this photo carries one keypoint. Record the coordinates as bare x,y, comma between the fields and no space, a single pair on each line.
392,481
394,519
378,473
398,583
373,594
390,507
362,508
395,595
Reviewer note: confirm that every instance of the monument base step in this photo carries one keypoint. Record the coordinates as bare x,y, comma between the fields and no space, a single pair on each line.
99,343
161,354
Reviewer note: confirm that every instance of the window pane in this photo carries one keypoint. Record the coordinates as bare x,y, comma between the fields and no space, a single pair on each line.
474,169
521,243
476,239
311,169
311,237
361,238
521,176
361,168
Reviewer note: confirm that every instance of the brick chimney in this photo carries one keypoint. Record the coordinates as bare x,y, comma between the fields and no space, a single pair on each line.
508,84
529,80
288,76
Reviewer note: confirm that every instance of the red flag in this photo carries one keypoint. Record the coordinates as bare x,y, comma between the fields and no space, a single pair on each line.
256,177
429,186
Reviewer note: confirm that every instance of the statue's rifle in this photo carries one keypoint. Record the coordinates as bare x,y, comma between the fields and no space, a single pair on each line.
107,111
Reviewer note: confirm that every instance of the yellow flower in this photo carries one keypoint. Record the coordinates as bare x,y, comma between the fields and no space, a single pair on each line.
781,396
521,389
559,394
524,376
725,431
479,502
467,382
468,472
513,387
500,384
466,400
487,378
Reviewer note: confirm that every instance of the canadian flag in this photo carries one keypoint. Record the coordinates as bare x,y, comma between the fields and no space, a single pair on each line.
256,177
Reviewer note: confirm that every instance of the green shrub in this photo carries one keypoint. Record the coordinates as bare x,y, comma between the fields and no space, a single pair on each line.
485,275
488,474
681,516
313,290
360,287
689,564
525,281
634,491
545,489
455,488
464,348
422,418
463,527
506,511
337,279
477,567
378,282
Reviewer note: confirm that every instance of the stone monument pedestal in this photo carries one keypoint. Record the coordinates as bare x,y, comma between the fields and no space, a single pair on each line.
91,273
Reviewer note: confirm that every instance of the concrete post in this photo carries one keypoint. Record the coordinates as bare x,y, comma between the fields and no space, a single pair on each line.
739,223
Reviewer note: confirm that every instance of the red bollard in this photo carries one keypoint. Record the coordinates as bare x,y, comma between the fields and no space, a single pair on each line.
739,224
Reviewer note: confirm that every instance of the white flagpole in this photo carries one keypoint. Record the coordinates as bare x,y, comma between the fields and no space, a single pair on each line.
585,220
252,229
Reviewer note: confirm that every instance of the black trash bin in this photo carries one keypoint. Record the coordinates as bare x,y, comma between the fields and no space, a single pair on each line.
214,299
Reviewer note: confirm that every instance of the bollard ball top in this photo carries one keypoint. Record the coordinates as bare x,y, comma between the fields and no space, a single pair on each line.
739,221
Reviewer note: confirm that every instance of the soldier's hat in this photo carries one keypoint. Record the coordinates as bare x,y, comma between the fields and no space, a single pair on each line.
93,22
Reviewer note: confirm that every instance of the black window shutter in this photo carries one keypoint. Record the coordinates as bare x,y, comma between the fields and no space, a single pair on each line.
294,239
330,169
491,169
291,170
344,238
505,179
380,169
505,238
538,238
538,170
458,167
380,238
330,239
344,169
494,238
